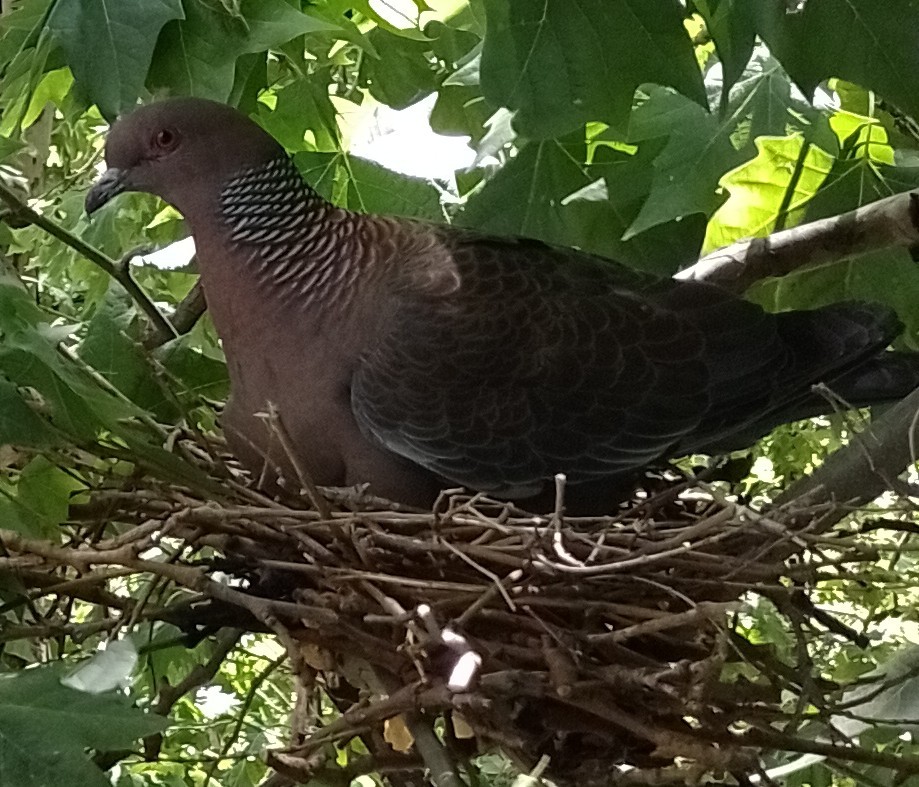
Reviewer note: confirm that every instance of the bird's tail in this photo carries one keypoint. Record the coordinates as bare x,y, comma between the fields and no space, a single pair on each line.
887,378
879,381
837,360
842,349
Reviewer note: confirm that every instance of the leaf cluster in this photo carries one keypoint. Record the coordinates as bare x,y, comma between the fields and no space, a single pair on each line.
649,131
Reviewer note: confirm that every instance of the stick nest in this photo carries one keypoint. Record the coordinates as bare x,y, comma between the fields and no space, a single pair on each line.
587,644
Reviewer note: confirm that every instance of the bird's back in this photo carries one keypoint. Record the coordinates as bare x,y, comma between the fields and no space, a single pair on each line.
546,360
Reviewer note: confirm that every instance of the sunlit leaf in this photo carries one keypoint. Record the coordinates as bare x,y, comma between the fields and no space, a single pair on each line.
777,184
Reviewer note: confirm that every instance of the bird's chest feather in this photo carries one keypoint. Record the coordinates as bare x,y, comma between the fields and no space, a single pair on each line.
284,386
288,361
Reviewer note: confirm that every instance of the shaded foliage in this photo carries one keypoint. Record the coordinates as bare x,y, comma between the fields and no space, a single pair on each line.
638,129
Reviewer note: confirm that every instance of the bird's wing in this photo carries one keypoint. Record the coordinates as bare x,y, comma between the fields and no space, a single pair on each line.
537,361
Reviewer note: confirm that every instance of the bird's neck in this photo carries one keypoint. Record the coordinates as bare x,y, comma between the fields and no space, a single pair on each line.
284,239
280,253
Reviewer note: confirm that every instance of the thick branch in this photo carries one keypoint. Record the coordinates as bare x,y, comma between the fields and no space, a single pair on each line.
859,472
887,223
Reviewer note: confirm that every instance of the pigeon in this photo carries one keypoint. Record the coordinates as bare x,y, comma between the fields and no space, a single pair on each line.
413,357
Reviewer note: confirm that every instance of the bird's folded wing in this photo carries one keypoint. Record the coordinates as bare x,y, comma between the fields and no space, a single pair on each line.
538,363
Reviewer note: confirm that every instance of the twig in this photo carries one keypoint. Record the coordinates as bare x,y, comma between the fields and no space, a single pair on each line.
708,611
306,481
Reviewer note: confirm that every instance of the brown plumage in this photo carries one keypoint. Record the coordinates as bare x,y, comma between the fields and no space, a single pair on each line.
413,356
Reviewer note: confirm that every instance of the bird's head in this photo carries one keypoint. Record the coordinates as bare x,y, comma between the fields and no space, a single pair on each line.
183,150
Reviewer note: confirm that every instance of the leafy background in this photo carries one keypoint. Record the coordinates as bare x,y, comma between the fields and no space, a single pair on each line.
650,131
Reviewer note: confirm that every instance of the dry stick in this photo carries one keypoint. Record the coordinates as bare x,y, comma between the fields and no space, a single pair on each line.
497,584
73,588
306,481
76,631
263,609
705,611
887,223
103,261
359,719
434,753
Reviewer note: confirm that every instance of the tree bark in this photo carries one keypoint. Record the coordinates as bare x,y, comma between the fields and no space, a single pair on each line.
888,223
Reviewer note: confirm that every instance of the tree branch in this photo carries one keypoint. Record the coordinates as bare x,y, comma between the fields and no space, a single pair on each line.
887,223
118,272
865,468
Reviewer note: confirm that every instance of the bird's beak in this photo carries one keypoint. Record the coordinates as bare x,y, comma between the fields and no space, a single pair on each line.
110,184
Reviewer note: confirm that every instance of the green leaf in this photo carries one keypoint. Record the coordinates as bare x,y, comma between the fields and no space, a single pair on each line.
45,728
361,185
775,183
19,423
303,117
762,104
40,500
270,23
74,404
856,182
402,73
450,42
460,109
697,153
545,192
109,45
195,373
525,196
24,51
864,41
54,87
603,226
861,136
732,26
560,64
197,55
111,347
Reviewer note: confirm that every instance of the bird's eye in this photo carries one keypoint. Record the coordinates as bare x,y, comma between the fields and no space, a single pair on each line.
165,139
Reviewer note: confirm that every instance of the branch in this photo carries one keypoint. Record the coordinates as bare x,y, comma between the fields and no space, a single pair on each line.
773,739
117,271
887,223
198,676
868,466
189,311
